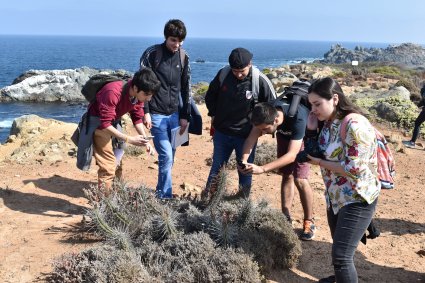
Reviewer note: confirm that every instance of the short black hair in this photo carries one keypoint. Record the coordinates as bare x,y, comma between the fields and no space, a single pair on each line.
263,113
175,28
146,80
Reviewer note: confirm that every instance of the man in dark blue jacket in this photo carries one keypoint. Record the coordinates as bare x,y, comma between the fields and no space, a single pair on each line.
230,99
162,113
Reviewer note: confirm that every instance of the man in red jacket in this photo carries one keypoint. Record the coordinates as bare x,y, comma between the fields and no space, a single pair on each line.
113,101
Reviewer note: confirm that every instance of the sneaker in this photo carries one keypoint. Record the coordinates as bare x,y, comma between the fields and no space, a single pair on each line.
308,230
409,144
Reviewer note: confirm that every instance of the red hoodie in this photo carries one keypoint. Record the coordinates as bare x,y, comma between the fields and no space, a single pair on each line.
110,105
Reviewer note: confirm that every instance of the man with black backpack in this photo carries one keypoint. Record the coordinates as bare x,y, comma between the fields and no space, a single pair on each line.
171,65
230,98
112,101
271,118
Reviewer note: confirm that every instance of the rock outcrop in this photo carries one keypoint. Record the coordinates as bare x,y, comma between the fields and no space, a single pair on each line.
51,85
408,54
37,140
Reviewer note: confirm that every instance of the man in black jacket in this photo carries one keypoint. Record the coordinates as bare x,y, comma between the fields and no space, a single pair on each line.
229,100
171,65
418,122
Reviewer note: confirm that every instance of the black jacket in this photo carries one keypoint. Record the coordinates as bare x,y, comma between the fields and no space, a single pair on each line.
231,104
174,82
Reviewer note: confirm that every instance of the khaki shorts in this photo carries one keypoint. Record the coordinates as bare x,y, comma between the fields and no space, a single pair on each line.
298,170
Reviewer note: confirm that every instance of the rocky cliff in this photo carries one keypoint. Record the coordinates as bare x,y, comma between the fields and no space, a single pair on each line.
51,85
407,54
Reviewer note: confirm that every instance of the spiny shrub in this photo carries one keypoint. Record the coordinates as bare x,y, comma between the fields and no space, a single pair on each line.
165,224
264,153
132,150
104,264
271,239
215,239
195,258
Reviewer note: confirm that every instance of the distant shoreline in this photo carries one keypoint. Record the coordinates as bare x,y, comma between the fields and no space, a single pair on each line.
160,39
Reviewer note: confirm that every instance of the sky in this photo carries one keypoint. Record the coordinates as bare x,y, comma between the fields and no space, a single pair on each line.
388,21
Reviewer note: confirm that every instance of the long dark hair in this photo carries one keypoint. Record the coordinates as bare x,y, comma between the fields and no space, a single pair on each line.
326,88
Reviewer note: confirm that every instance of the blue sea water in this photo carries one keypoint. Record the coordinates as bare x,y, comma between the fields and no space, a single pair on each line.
22,53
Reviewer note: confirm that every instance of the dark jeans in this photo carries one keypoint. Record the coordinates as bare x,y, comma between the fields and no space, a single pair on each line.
347,228
223,148
418,123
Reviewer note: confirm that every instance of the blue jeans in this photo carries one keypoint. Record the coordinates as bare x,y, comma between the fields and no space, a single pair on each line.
223,148
347,228
161,130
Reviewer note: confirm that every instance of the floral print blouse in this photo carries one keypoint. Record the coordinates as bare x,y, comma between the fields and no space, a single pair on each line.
358,156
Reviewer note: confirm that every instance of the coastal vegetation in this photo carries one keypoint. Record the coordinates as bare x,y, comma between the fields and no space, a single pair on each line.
221,237
217,238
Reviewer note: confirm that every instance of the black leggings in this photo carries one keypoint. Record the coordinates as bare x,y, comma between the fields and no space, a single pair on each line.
347,228
418,123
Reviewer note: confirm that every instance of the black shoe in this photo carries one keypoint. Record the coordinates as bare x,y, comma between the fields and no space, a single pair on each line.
330,279
374,232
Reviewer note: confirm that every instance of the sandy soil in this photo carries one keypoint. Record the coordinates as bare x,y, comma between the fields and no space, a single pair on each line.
42,205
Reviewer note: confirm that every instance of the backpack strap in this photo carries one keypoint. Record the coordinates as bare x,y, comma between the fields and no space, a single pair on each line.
255,83
182,55
343,127
255,77
158,57
223,74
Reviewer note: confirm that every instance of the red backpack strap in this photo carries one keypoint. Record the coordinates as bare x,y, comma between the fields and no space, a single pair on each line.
343,128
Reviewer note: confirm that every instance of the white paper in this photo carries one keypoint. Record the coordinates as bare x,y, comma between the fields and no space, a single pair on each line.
177,139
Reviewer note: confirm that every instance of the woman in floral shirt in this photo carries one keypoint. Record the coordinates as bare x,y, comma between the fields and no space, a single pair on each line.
349,171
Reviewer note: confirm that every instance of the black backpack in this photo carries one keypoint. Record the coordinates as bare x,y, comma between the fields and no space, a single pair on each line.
96,82
295,94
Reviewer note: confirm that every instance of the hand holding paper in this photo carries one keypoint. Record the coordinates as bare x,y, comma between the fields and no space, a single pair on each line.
178,139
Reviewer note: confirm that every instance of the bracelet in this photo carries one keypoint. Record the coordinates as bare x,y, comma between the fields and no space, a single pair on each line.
126,139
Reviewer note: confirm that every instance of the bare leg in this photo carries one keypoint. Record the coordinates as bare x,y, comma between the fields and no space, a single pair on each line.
287,194
306,196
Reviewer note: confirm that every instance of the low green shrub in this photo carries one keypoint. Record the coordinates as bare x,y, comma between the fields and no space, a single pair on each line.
388,71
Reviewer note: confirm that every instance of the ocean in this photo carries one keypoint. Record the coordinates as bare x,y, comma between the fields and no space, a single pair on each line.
22,53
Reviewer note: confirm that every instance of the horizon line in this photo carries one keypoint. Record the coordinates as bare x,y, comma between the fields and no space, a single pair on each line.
212,38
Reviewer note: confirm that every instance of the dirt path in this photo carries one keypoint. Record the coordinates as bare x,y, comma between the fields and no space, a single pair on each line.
41,205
